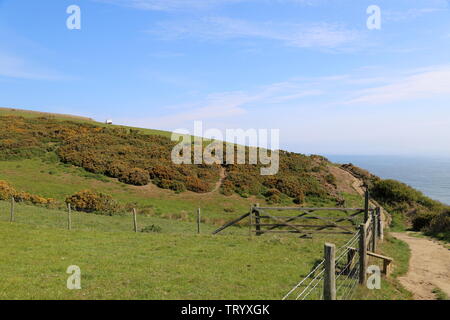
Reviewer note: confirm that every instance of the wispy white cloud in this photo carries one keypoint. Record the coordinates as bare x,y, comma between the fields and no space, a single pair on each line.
172,5
419,84
359,89
12,66
323,35
169,5
228,104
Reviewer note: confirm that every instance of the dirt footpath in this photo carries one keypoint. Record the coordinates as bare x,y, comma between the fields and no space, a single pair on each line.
429,267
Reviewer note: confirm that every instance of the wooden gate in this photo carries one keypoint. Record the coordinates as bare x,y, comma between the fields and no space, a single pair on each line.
306,221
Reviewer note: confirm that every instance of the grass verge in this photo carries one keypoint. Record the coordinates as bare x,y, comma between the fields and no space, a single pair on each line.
391,289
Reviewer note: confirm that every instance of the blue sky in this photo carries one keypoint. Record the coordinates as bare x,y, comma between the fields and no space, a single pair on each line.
308,67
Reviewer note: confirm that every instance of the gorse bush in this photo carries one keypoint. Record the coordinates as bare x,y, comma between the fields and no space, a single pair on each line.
90,201
7,192
135,176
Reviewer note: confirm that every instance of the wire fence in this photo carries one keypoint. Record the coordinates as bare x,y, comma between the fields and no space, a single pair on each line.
337,276
347,268
24,213
311,287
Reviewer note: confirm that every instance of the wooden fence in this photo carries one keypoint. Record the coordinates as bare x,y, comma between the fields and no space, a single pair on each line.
341,270
303,221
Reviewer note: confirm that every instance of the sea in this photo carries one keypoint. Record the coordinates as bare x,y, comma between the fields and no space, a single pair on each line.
427,174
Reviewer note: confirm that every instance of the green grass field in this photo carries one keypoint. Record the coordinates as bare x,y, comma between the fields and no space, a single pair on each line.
39,216
126,265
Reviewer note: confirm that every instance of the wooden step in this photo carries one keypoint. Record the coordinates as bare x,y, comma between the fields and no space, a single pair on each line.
376,255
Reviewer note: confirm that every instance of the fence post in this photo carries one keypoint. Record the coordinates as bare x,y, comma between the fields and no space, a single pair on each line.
380,224
250,221
135,220
362,253
257,221
198,220
11,218
329,285
366,204
69,217
375,230
350,257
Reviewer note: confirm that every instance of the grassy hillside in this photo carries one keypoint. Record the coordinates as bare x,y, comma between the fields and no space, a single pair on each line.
55,156
138,158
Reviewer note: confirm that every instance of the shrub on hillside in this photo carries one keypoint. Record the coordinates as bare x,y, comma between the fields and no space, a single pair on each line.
90,201
421,220
196,185
290,186
300,198
392,191
7,191
172,185
273,196
439,223
116,169
227,188
160,172
135,176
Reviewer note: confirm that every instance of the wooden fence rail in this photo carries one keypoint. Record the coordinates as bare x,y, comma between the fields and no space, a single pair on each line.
262,220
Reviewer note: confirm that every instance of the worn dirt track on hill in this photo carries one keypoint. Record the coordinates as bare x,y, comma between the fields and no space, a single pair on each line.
356,185
219,183
429,267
